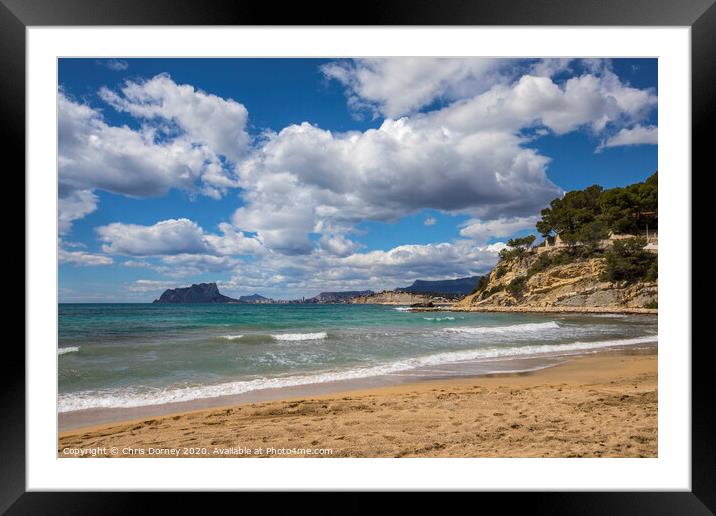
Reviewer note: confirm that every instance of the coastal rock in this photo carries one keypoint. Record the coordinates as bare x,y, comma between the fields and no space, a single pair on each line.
572,286
391,297
255,299
197,293
338,297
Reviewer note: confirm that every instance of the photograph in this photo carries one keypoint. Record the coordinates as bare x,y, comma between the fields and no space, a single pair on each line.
359,257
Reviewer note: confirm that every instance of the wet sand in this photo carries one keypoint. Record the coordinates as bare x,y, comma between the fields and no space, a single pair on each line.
602,405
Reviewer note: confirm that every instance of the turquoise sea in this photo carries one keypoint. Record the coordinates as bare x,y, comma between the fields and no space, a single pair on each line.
133,355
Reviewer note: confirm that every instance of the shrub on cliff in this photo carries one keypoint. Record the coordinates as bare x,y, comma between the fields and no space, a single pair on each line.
517,247
517,287
628,261
481,285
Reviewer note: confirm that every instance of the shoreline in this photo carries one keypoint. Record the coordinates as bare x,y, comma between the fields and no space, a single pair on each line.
542,309
616,387
472,369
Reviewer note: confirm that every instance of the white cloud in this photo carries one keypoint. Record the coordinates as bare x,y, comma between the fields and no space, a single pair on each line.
116,65
95,155
192,264
150,160
469,157
551,66
430,221
73,205
305,179
232,242
82,258
482,231
174,237
399,86
587,100
304,189
338,245
637,135
205,118
282,276
143,286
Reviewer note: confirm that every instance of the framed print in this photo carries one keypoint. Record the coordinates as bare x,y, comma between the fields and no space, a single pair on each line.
422,251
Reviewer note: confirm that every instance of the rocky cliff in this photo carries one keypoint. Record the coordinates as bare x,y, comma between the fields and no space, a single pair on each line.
391,297
201,293
577,285
338,297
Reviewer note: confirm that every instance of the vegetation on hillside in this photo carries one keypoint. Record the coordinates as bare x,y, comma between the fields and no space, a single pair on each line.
589,215
582,218
627,261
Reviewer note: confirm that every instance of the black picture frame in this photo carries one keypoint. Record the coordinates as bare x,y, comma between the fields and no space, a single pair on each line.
700,15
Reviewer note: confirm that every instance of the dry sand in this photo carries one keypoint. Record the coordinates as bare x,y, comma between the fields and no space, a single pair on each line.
603,405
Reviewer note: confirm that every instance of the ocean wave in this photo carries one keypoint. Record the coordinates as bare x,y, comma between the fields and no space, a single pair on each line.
402,308
68,349
439,318
231,337
300,336
513,328
135,397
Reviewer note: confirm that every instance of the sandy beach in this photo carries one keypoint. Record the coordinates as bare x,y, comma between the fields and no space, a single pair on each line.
601,405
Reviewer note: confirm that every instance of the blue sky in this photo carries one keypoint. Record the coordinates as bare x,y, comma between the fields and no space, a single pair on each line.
289,177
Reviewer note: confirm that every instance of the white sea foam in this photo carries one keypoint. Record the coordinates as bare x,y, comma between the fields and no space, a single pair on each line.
513,328
300,336
402,308
68,349
439,318
231,337
135,397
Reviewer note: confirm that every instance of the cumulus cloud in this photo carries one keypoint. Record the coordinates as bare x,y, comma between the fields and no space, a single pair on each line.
402,85
430,221
73,205
551,66
304,189
281,276
588,100
95,155
469,157
482,231
338,245
183,144
174,237
637,135
205,118
305,179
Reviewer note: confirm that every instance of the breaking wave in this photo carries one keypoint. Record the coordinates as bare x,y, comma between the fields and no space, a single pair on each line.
137,396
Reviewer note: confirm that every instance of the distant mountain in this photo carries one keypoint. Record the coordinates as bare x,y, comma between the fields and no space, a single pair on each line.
201,293
255,298
338,297
455,287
